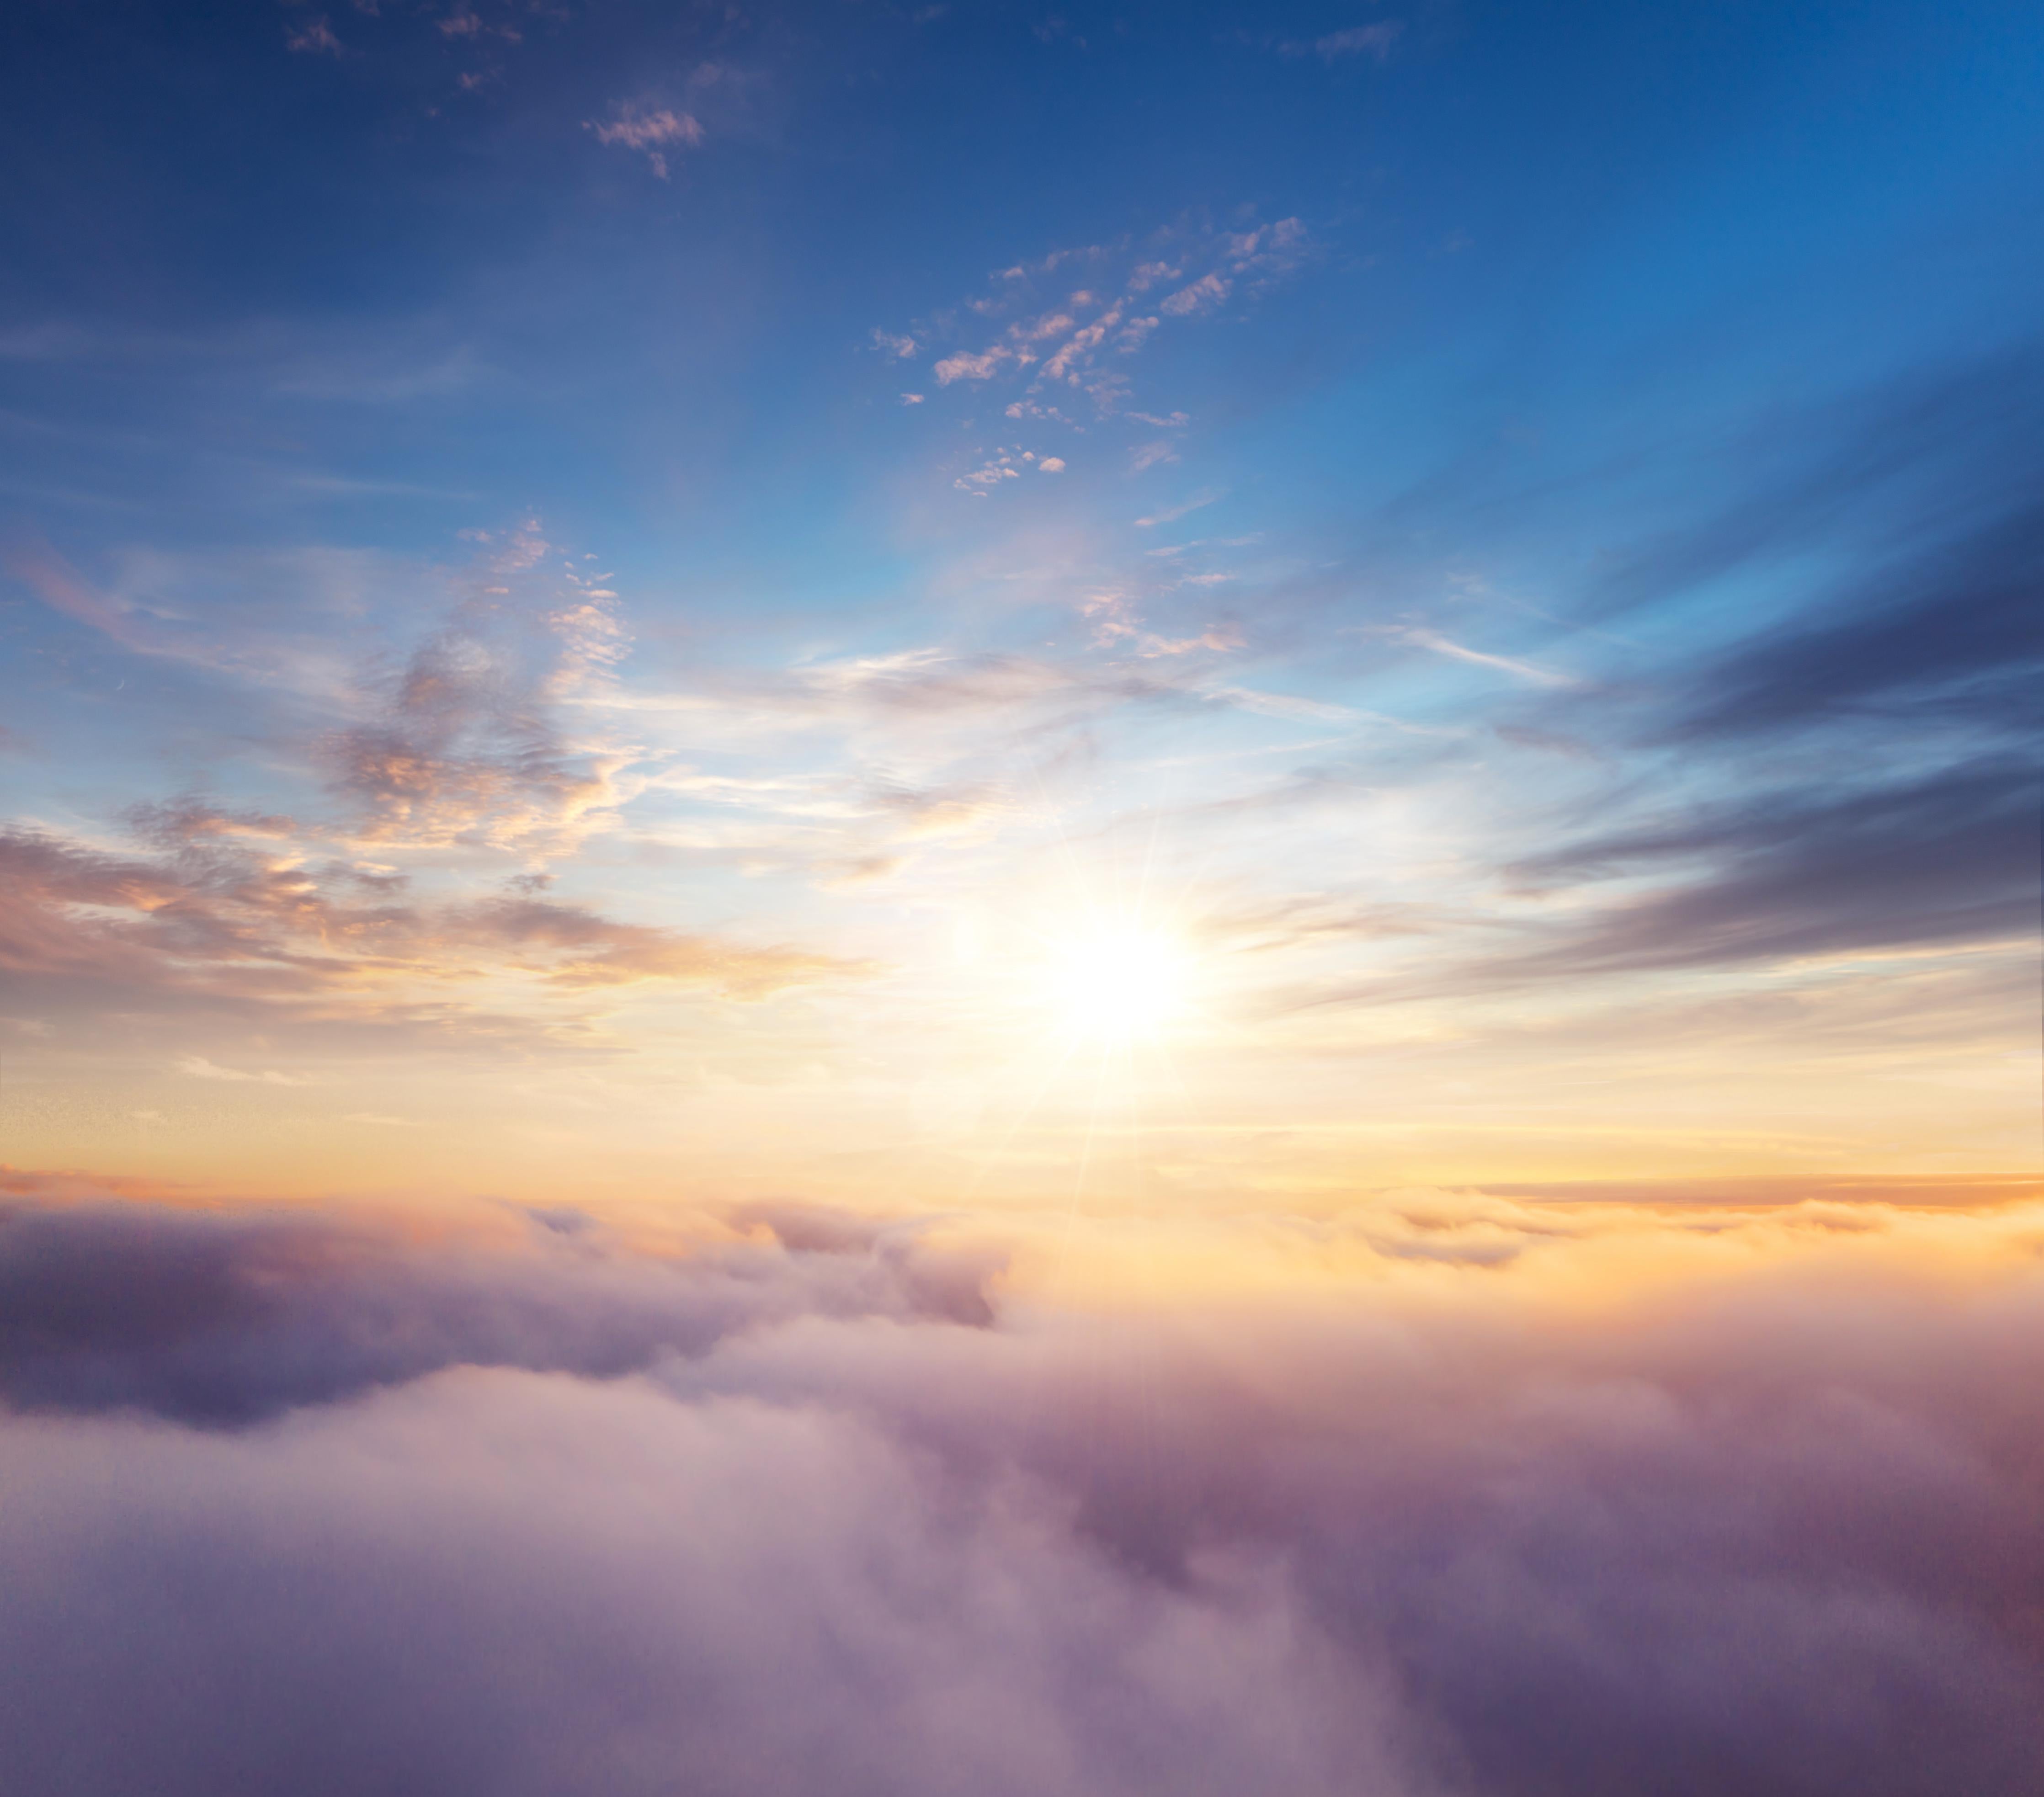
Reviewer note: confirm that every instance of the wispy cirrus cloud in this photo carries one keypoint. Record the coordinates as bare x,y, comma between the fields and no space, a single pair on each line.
198,1067
1432,641
1172,513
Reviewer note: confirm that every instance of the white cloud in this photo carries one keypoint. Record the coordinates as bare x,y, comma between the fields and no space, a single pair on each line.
1002,467
1442,646
1052,464
199,1068
1149,455
1176,512
911,399
899,346
1357,40
1286,705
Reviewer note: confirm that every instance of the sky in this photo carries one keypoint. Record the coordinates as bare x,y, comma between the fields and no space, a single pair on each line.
638,594
1230,811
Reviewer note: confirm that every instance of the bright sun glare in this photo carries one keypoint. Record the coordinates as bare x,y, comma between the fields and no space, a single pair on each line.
1118,985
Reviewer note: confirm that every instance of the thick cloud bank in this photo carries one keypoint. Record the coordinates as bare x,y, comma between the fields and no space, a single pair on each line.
292,1504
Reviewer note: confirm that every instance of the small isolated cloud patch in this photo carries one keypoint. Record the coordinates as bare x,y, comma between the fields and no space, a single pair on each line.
1005,464
965,367
1052,464
1374,40
314,38
651,132
199,1068
1171,514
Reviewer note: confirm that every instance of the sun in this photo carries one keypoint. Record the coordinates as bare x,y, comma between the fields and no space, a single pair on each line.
1121,983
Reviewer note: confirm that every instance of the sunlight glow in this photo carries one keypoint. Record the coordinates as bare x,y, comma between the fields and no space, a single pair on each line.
1122,983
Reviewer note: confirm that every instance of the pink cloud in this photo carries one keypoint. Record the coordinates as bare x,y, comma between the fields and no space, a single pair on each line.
1202,295
649,132
966,367
315,37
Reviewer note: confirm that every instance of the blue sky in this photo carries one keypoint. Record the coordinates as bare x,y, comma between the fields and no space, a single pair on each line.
1503,534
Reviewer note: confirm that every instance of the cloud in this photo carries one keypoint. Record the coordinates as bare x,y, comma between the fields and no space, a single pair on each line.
804,1509
314,37
1004,465
1147,275
1149,455
1284,705
1374,40
964,367
1052,464
654,133
572,946
233,922
55,582
1049,339
1202,295
1440,645
1924,492
1946,858
899,348
199,1068
1172,514
943,810
467,747
1078,349
911,399
1957,622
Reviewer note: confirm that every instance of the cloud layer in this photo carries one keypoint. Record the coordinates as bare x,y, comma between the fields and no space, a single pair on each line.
299,1501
